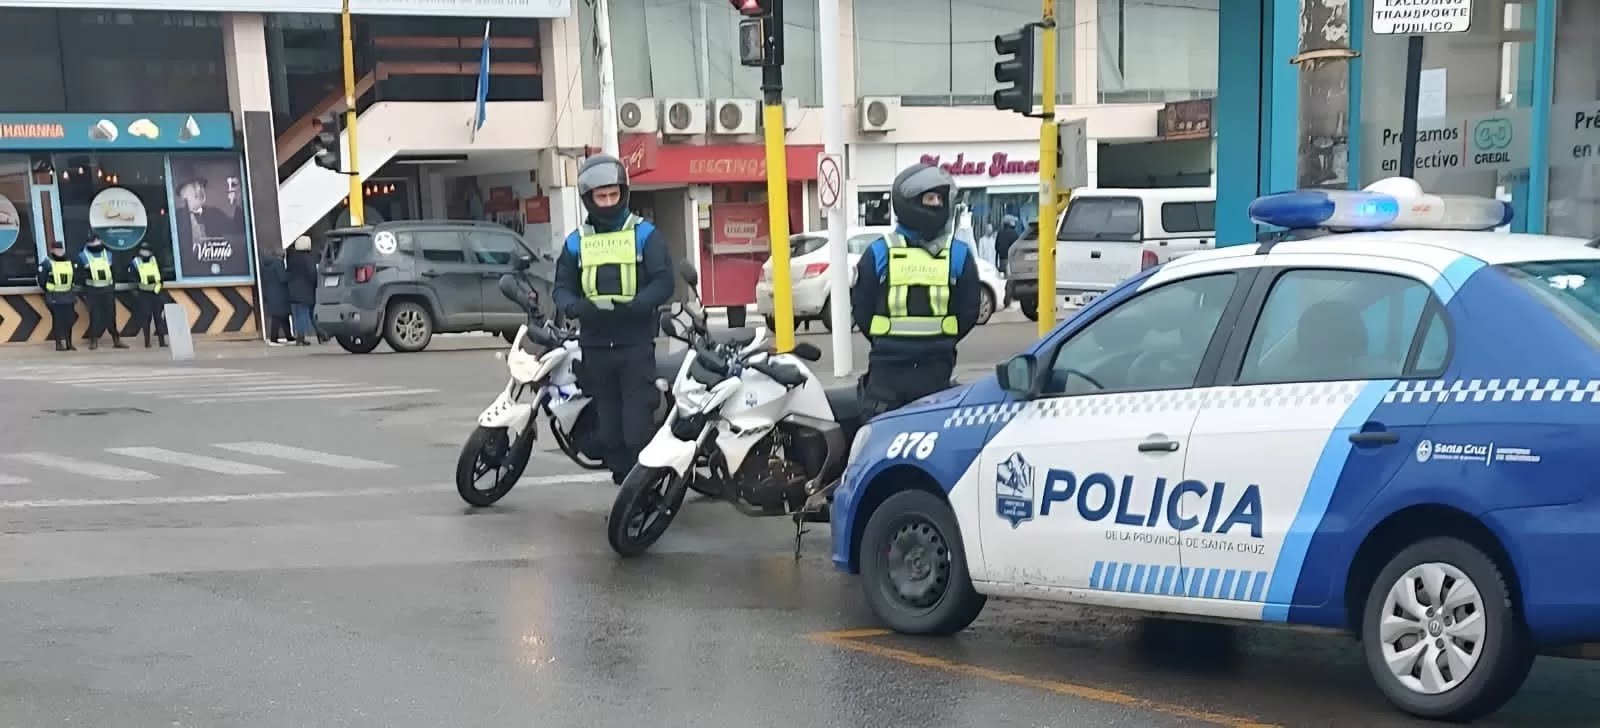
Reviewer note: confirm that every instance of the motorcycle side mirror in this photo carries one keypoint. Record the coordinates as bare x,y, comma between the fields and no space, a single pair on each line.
669,326
807,351
689,275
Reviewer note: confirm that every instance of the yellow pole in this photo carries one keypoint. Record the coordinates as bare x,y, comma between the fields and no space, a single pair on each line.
357,202
778,225
1047,175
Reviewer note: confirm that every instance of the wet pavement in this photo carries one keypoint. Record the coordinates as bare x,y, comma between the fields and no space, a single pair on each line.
267,561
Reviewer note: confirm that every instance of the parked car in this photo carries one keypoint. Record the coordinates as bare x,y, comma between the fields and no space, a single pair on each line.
1108,235
404,281
809,259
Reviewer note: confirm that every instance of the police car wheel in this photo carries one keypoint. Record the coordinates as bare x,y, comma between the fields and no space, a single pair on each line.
1441,635
985,306
914,569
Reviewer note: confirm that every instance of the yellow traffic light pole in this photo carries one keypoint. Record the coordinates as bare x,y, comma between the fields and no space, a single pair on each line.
1048,201
777,173
357,206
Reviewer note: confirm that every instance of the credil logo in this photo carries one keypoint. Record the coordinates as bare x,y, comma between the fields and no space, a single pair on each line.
1492,134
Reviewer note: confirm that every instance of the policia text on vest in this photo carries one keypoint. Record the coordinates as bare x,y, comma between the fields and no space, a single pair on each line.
913,306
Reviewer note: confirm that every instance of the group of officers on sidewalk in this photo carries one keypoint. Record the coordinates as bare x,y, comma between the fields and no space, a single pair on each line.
916,296
91,275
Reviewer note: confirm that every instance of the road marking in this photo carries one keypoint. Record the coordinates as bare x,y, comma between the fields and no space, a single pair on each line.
190,460
11,480
82,467
854,639
181,500
113,381
274,390
301,454
339,395
179,385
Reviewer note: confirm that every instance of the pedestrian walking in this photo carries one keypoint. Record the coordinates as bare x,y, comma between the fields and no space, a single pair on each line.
275,298
301,265
57,275
148,305
99,292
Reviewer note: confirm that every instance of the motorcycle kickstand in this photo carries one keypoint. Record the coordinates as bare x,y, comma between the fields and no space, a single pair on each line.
799,530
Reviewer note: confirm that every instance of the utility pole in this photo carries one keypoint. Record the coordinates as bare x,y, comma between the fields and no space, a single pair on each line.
357,201
609,133
833,146
1018,97
1322,159
761,44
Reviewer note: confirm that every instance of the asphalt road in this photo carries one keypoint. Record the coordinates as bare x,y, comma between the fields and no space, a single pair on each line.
337,580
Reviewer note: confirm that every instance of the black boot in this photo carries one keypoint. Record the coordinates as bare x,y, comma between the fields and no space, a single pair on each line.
147,341
116,343
61,345
94,344
162,340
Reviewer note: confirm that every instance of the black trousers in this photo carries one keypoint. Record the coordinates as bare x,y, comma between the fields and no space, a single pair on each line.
621,383
63,314
891,384
148,314
278,328
102,304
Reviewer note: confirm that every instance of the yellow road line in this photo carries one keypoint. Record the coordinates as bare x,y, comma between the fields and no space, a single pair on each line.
854,639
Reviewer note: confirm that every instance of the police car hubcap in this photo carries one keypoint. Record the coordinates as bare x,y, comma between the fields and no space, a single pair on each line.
1432,628
919,564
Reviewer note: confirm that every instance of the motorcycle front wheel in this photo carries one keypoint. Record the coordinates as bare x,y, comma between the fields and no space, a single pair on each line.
490,450
645,506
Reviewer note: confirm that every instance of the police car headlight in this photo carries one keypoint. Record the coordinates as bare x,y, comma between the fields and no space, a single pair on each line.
860,439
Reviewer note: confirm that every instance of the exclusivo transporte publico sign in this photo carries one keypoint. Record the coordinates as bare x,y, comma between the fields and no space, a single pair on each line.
1421,17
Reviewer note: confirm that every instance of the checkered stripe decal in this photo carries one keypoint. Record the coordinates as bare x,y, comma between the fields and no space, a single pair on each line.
1265,396
1495,390
1099,405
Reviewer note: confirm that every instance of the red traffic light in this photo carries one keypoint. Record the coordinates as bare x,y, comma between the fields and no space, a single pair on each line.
751,8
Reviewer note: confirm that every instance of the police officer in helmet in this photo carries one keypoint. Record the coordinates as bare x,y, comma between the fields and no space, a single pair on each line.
916,294
613,275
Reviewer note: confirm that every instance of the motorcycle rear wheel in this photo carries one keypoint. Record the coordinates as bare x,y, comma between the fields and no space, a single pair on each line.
491,450
648,501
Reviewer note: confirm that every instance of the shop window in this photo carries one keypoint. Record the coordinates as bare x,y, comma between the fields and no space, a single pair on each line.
1157,50
938,52
688,48
19,251
304,62
116,192
1574,203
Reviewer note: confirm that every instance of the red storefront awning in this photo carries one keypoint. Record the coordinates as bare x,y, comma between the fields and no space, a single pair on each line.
650,162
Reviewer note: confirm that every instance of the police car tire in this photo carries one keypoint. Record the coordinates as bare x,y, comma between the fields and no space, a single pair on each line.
960,603
1508,652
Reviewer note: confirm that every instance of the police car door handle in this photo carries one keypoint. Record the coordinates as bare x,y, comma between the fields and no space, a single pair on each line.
1378,437
1158,446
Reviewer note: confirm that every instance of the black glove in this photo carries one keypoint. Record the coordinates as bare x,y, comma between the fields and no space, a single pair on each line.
582,309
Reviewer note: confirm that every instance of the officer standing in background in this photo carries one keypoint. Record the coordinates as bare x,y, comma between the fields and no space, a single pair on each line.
915,294
57,274
147,298
613,275
99,292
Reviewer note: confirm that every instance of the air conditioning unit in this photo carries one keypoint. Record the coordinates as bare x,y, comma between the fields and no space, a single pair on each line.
638,116
878,113
734,116
683,117
791,114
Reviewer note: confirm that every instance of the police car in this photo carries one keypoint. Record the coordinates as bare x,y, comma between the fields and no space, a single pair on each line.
1386,424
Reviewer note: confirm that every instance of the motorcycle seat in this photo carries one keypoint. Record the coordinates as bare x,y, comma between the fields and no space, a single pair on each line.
740,337
845,402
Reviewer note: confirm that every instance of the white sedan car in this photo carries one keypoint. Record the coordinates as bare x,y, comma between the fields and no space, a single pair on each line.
808,264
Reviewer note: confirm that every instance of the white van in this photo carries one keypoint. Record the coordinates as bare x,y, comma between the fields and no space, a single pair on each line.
1108,235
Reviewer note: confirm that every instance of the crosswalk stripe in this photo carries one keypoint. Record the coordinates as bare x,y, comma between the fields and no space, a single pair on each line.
81,467
336,395
545,480
114,380
11,480
183,388
301,454
191,460
263,390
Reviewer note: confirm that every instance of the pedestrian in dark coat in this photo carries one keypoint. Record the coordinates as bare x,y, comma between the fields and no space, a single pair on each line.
275,297
302,285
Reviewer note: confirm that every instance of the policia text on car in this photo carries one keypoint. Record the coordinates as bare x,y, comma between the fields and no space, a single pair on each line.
613,275
916,295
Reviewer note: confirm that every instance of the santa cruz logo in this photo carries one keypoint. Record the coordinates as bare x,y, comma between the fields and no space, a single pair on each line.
1013,489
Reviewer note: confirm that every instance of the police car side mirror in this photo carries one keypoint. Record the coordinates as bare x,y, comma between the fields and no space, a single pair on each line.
1017,374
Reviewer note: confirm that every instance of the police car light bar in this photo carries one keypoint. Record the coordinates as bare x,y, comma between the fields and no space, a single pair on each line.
1396,203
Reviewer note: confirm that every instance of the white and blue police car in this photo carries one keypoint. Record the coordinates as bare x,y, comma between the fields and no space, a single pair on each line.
1386,424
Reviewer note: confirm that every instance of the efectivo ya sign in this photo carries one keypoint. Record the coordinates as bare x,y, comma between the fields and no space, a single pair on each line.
461,8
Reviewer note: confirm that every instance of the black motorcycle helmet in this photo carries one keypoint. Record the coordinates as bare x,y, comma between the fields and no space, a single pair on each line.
929,222
603,170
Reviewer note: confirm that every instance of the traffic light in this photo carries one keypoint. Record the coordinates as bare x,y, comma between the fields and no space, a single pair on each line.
326,143
750,8
1017,70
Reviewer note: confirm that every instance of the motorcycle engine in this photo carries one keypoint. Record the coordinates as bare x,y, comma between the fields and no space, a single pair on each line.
769,480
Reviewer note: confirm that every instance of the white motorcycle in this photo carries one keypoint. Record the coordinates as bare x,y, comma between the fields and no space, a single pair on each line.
753,426
543,359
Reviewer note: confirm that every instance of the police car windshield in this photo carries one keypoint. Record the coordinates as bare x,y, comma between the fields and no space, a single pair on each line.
1571,288
1102,218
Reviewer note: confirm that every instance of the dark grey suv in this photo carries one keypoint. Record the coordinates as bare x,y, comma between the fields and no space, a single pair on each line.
404,281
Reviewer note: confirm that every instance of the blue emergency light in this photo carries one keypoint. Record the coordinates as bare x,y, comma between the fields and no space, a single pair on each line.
1396,203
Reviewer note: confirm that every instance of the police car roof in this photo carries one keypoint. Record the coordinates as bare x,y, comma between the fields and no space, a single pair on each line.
1432,247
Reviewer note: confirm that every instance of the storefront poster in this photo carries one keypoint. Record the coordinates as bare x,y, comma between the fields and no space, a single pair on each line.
10,224
116,131
208,216
739,228
119,217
